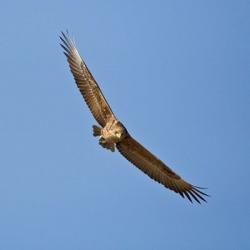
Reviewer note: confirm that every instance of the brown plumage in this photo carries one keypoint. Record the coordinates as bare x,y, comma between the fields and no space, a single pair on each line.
113,134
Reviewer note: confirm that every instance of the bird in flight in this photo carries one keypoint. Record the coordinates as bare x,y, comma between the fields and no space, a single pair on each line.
113,134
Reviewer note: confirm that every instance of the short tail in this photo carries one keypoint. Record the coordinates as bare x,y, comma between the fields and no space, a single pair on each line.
97,131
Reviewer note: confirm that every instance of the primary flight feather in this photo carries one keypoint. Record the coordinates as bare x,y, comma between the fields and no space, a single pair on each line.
113,134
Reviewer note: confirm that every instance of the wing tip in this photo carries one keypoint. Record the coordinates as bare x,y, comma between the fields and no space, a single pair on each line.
194,194
67,43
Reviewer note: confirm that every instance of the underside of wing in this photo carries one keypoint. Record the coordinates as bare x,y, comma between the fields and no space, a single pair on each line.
157,170
86,83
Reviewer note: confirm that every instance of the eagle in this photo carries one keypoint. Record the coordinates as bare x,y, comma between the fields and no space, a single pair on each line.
113,134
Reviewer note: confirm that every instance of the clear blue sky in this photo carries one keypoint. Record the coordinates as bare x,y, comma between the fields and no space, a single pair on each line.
176,73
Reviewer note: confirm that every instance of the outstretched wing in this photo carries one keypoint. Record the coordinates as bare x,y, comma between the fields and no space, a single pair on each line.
157,170
86,83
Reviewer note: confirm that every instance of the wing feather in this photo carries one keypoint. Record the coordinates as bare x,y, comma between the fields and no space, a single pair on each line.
157,170
86,83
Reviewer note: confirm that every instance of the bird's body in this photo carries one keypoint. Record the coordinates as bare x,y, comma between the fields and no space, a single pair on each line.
113,134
